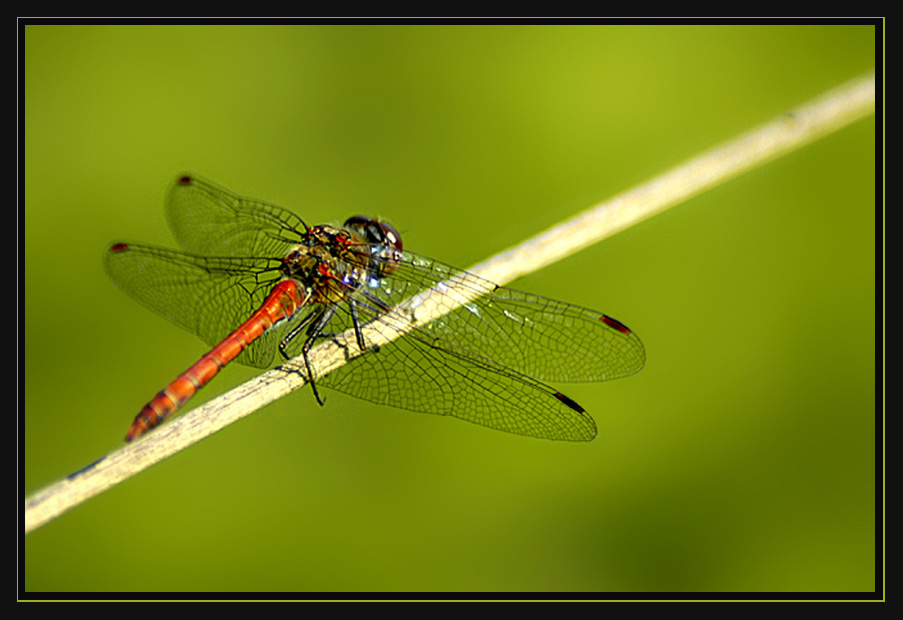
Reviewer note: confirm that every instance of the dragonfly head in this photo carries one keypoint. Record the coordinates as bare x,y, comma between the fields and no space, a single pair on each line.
385,242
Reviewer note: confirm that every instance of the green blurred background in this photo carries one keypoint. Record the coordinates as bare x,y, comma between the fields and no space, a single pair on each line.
741,459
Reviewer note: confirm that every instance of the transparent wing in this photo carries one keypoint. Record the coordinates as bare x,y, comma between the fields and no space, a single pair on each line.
207,296
420,374
485,361
533,335
210,220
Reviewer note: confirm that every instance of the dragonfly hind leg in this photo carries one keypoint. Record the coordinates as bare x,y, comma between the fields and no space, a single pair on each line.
314,324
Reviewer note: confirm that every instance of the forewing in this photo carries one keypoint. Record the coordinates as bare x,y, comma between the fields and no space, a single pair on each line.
210,220
533,335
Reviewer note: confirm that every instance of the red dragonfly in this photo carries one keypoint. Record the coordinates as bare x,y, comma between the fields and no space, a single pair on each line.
258,284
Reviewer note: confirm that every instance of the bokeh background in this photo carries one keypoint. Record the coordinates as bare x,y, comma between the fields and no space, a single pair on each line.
742,458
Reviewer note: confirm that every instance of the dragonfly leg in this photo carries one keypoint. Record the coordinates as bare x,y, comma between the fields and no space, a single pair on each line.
353,304
295,331
314,332
358,334
314,324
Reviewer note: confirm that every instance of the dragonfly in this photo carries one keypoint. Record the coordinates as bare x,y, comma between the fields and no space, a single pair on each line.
259,286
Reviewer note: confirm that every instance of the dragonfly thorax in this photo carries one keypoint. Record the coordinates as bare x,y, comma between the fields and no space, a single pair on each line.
330,263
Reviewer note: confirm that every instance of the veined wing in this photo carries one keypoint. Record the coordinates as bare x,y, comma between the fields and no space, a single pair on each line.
543,338
208,296
419,375
481,362
210,220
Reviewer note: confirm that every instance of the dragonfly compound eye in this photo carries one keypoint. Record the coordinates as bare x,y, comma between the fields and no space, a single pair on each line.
386,245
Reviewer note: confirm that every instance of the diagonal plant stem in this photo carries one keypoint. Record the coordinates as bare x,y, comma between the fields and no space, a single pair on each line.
819,117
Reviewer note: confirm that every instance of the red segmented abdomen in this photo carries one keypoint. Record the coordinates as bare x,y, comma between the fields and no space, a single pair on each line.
285,299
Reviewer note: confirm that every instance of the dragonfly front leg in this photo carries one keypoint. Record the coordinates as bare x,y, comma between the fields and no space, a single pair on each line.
358,333
353,305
